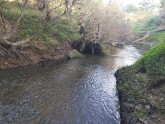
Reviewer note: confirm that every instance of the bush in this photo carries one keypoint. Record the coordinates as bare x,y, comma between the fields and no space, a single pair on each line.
157,37
150,24
32,24
154,60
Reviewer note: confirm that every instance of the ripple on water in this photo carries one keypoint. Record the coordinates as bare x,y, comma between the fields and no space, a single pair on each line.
79,91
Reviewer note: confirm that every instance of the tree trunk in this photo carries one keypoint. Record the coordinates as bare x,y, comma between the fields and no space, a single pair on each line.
160,29
7,34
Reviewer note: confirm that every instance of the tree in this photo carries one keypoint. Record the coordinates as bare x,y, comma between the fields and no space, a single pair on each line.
52,10
162,3
7,33
149,5
162,12
131,8
104,23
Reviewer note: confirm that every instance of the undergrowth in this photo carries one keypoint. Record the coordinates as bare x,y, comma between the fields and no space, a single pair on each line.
157,37
154,60
149,24
33,24
139,80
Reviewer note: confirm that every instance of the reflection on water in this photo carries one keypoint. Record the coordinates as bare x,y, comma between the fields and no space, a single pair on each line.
79,91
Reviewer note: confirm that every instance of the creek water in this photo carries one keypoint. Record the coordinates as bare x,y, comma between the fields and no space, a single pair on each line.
78,91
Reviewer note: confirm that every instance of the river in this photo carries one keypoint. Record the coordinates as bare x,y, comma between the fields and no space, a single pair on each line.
77,91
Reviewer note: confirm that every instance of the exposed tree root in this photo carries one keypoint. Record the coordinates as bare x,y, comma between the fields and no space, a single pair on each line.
11,52
17,54
3,48
21,42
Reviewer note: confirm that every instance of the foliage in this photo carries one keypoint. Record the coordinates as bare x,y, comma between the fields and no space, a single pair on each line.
142,113
108,21
133,82
65,31
32,24
131,8
162,3
58,19
153,60
157,37
149,5
162,10
150,24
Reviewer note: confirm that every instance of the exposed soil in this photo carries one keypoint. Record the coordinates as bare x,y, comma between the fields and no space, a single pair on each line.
33,54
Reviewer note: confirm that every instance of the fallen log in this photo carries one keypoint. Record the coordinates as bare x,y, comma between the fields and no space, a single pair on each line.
160,29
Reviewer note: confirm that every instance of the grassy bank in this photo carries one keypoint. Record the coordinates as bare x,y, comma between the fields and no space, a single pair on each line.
50,41
142,87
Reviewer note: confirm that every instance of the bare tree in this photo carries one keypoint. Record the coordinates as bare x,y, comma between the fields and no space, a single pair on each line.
7,33
104,23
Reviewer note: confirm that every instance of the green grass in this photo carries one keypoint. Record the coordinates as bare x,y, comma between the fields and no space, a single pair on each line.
32,24
141,113
157,37
67,31
138,87
154,60
131,82
149,24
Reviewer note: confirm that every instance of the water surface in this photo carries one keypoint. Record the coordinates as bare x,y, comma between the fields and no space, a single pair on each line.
78,91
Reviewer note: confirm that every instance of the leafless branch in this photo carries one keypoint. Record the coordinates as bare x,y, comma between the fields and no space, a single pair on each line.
21,42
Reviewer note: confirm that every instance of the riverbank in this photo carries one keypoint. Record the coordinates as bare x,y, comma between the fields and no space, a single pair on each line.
77,91
40,52
141,89
33,54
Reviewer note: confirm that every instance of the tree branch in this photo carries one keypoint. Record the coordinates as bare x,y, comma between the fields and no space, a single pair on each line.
9,33
160,29
21,42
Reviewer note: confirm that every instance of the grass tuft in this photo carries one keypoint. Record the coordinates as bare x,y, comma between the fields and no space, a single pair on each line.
154,60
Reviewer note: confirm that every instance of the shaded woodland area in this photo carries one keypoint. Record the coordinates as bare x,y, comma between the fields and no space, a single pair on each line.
43,27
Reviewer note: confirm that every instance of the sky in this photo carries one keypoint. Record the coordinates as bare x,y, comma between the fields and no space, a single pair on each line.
126,2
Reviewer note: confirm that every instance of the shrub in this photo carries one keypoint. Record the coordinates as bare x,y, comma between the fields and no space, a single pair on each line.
151,23
157,37
154,60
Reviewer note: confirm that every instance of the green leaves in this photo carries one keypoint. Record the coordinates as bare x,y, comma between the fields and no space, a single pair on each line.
154,60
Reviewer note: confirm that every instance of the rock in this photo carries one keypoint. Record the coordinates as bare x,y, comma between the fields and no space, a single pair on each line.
144,121
74,54
117,44
133,120
147,107
139,107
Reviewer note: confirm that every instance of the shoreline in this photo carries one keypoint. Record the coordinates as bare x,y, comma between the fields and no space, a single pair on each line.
31,55
141,88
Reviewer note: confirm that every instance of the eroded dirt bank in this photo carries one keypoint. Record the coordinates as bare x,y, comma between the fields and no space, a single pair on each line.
33,54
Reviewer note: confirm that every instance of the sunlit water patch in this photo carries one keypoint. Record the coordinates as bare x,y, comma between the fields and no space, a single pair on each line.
79,91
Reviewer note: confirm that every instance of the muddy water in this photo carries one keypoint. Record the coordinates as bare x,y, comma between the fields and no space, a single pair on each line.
79,91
